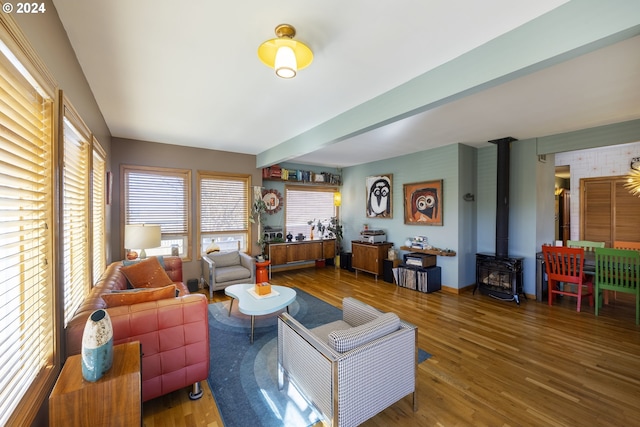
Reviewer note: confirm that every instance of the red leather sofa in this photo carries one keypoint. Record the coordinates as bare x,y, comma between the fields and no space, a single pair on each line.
174,332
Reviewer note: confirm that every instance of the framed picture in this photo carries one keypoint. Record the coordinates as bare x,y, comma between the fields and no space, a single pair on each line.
379,196
423,203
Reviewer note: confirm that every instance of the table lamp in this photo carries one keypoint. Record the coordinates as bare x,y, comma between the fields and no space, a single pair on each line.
142,236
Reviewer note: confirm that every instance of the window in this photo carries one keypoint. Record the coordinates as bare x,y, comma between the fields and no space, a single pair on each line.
27,323
304,204
98,204
75,210
223,211
159,196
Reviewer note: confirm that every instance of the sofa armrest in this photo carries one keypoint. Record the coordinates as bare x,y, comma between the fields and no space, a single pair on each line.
248,262
357,313
208,270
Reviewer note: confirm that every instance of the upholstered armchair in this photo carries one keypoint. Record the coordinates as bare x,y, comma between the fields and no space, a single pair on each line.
351,369
221,269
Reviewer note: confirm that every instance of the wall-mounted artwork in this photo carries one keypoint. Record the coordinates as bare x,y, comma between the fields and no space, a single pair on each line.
379,196
423,203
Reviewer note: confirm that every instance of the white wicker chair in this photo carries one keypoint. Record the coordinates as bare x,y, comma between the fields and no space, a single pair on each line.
351,369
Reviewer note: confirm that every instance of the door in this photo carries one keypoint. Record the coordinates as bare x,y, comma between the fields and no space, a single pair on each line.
608,212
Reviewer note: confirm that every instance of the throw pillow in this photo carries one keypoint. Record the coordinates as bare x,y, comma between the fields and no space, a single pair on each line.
148,273
136,296
348,339
128,262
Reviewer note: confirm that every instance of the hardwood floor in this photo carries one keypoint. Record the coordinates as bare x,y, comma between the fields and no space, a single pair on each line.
494,363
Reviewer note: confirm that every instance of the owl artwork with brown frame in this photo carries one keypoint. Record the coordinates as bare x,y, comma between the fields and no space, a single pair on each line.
423,203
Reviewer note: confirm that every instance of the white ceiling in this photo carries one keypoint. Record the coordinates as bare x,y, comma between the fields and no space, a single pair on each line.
187,73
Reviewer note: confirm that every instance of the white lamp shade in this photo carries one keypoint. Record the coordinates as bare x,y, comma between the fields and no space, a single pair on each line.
286,65
141,236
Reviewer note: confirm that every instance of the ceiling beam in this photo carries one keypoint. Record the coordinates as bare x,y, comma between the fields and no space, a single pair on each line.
571,30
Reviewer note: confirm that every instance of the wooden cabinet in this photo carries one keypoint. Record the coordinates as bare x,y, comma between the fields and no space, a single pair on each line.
113,400
291,253
277,254
329,249
369,257
310,251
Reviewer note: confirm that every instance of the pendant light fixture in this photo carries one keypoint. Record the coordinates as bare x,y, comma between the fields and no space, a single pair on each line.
284,54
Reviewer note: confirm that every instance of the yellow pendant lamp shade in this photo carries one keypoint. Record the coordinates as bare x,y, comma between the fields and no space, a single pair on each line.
284,54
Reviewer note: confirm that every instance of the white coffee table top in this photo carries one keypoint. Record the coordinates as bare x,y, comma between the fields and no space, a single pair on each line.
256,306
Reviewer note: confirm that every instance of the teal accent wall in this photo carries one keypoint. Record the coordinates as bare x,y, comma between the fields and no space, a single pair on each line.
439,163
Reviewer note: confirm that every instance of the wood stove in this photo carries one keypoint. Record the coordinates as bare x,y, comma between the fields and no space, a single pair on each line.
500,275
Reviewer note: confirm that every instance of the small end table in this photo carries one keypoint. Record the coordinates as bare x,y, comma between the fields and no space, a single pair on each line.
113,400
261,271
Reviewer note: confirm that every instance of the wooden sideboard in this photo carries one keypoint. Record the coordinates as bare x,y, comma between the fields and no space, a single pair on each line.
369,257
294,253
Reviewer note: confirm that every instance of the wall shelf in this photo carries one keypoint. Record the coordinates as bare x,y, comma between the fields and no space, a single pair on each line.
435,251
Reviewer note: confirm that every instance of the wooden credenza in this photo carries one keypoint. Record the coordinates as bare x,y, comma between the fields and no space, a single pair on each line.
113,400
369,257
291,253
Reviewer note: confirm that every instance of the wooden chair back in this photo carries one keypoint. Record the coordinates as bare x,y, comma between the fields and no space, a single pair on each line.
588,245
618,270
564,264
619,244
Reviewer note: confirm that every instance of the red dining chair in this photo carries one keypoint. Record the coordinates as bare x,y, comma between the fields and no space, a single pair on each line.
566,265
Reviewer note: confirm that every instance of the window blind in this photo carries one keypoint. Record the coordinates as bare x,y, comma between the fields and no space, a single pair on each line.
98,206
307,204
224,206
75,208
26,195
158,196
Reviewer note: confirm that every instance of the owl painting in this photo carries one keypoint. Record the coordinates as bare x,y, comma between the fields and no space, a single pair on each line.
379,196
423,203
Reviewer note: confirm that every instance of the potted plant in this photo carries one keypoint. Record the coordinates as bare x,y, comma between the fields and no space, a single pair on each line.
258,211
335,230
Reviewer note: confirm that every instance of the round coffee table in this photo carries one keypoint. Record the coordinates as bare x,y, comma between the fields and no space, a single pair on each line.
253,305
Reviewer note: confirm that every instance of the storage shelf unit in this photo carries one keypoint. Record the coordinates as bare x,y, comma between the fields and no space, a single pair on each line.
420,279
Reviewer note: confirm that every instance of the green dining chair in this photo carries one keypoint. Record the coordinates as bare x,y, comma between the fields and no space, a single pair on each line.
588,245
617,270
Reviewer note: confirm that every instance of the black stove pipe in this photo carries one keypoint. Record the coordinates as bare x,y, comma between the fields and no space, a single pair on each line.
502,199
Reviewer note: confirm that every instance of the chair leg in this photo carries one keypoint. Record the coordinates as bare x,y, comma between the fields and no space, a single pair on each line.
550,287
579,297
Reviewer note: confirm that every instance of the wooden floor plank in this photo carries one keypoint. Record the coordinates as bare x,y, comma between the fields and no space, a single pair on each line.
494,363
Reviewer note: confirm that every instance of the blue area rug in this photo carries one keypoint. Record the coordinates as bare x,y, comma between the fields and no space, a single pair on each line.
243,376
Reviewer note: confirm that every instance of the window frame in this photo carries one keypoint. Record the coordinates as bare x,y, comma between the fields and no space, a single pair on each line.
16,48
307,188
246,179
185,175
77,270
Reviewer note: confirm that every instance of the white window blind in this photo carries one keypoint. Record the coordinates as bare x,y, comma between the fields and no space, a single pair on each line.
306,204
159,196
224,210
98,206
26,222
75,208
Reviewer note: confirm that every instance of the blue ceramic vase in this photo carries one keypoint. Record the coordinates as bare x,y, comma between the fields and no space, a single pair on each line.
97,346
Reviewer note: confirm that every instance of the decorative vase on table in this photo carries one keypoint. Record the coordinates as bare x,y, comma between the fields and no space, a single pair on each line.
97,346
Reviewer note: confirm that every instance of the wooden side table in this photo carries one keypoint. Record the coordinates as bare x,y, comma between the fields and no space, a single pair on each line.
113,400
